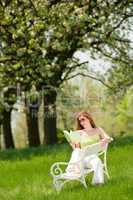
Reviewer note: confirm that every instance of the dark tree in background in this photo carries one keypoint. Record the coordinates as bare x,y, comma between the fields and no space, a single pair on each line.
50,95
33,104
8,102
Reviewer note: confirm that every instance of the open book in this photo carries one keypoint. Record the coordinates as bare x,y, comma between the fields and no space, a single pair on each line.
72,136
75,137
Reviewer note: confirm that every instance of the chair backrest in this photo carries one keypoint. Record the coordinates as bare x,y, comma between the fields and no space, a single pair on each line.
96,148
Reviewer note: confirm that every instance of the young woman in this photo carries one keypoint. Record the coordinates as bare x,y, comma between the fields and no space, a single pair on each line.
88,130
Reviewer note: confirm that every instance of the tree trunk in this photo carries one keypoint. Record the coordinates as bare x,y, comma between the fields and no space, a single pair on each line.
33,129
65,122
6,121
50,134
8,138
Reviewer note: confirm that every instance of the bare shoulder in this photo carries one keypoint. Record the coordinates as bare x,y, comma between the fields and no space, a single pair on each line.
80,131
104,134
99,129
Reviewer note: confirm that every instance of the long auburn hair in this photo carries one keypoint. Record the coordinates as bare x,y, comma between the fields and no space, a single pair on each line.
88,116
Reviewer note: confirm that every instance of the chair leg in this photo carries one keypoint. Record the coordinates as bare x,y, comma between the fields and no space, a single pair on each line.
82,180
57,184
106,171
105,166
85,185
107,174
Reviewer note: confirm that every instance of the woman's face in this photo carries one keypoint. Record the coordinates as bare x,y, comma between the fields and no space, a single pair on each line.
84,121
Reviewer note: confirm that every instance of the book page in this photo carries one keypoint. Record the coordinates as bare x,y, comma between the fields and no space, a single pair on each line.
72,136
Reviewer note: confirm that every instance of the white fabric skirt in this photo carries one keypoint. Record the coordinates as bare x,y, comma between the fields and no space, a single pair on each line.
92,161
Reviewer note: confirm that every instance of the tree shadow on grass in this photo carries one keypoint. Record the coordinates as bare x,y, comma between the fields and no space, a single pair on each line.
122,141
28,153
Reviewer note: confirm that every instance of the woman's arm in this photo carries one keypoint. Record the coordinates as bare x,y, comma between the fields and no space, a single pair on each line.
104,136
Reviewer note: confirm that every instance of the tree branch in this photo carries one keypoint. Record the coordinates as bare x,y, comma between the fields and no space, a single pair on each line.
118,25
69,70
90,76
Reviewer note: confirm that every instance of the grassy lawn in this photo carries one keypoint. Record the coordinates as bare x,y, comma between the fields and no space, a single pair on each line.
24,174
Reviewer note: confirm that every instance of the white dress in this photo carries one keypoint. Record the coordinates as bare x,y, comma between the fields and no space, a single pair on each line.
92,161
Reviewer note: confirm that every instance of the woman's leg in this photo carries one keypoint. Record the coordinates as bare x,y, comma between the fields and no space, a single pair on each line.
75,158
97,166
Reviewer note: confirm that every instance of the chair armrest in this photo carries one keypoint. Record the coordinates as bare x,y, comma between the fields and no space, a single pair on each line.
57,168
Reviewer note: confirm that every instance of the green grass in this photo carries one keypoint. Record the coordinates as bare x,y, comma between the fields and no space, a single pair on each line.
24,174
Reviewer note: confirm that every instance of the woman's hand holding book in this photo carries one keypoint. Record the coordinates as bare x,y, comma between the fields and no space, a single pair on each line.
75,145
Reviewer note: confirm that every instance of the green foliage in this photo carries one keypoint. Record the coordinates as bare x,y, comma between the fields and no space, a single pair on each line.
60,135
120,77
125,112
38,42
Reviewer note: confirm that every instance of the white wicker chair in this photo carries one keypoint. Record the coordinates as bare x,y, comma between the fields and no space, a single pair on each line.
58,172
